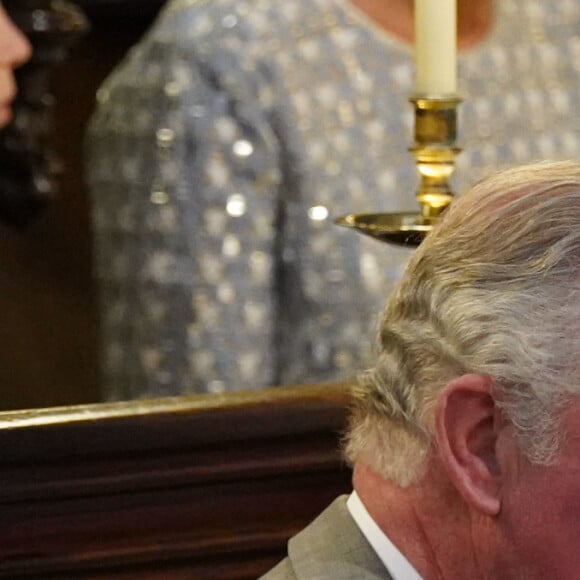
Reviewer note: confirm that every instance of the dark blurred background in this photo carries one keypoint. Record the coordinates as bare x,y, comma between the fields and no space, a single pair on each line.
48,324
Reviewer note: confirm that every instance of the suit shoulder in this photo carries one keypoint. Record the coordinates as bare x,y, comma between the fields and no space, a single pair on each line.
283,571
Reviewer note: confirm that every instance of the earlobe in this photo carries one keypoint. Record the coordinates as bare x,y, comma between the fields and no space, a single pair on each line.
467,432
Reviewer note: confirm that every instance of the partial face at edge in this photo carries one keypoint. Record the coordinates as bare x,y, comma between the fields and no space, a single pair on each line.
14,51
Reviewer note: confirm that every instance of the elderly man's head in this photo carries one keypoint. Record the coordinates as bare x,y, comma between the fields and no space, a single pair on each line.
478,375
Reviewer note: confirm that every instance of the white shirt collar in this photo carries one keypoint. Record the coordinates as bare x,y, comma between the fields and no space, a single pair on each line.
398,566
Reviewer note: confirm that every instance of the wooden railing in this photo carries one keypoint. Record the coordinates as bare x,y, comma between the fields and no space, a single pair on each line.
192,487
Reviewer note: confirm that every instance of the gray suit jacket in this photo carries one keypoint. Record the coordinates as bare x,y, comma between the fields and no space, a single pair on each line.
331,547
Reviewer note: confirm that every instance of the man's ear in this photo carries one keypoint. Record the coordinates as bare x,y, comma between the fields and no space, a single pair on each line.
466,431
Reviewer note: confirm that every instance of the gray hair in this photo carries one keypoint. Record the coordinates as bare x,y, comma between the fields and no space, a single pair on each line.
493,290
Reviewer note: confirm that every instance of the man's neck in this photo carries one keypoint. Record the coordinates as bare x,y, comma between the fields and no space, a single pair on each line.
427,523
395,17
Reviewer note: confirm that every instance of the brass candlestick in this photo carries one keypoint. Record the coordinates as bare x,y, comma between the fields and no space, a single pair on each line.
434,150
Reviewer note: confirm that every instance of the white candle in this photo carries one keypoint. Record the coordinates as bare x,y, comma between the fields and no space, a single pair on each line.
436,47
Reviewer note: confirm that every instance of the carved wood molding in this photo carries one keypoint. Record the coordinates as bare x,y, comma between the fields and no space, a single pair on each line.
192,487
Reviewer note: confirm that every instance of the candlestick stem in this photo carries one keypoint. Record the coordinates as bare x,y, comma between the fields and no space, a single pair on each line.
435,151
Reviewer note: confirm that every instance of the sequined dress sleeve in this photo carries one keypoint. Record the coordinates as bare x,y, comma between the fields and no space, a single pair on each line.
184,179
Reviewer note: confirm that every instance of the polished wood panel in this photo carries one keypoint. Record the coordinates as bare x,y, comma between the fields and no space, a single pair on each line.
191,487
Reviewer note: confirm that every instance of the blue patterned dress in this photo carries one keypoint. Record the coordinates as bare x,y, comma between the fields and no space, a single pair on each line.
233,134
